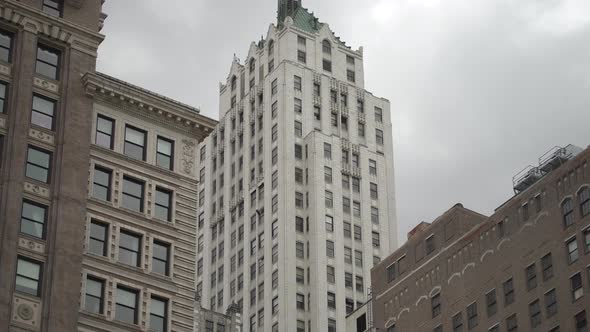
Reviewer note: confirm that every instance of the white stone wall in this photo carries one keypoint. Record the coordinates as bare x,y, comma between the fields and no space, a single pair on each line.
314,134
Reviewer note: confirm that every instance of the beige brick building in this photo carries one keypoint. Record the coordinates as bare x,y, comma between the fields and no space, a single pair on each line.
525,268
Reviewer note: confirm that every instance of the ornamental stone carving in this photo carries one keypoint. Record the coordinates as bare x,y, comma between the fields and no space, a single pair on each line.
31,245
5,70
188,156
26,312
41,136
46,85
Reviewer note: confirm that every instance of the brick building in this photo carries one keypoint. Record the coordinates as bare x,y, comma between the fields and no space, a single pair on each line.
525,268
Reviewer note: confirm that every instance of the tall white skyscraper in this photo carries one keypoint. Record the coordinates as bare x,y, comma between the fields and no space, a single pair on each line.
296,198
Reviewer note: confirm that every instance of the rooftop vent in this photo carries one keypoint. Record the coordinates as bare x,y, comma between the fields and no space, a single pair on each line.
548,162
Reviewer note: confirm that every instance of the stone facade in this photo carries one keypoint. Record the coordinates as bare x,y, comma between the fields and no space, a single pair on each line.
527,266
296,198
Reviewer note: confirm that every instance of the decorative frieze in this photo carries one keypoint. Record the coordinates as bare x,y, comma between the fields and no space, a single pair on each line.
26,312
37,190
46,84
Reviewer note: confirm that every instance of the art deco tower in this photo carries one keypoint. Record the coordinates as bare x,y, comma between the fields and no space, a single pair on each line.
296,194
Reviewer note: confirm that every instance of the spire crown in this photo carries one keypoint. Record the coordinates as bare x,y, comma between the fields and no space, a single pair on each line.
287,8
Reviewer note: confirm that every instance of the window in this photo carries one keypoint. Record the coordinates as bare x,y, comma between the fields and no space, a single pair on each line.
329,200
298,152
330,248
298,106
132,194
135,143
491,303
163,204
347,255
379,136
372,167
161,258
299,200
159,315
391,272
374,191
299,250
374,215
300,302
584,197
327,65
274,86
568,212
572,250
587,240
94,296
358,258
331,274
105,129
47,62
531,277
3,86
376,241
329,224
346,205
299,224
576,284
98,239
5,47
508,291
378,115
356,184
347,280
358,233
101,188
435,304
327,174
356,209
53,7
43,112
33,219
350,75
430,245
275,155
126,306
327,151
300,275
347,230
165,153
297,83
300,326
28,276
38,163
472,316
511,324
298,129
581,322
551,303
391,328
331,300
457,322
129,248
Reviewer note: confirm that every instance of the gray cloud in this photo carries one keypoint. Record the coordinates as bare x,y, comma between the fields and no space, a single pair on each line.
479,89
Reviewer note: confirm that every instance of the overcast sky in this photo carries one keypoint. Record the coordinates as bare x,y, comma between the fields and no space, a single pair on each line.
478,88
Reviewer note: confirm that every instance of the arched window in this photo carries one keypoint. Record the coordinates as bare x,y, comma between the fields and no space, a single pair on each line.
233,83
327,47
252,65
271,48
567,208
584,198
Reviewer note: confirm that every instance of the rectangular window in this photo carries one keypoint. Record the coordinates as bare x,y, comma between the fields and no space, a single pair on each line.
347,255
163,204
300,275
98,239
331,300
472,316
33,219
43,112
508,292
53,7
94,295
330,248
379,136
300,302
391,272
298,152
301,56
299,224
358,258
378,115
372,167
329,224
38,164
491,303
531,277
457,322
356,184
374,215
361,129
331,274
547,266
376,241
105,132
347,230
299,250
28,276
551,303
327,151
165,153
346,205
298,129
133,191
298,105
299,200
274,86
581,322
161,258
327,174
126,305
356,209
350,75
576,286
47,63
5,46
297,83
101,188
329,200
374,191
135,142
572,250
130,248
511,324
358,233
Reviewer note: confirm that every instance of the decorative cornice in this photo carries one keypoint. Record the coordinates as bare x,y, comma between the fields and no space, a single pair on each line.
148,104
33,20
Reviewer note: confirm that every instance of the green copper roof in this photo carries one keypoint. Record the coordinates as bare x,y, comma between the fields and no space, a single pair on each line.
305,20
